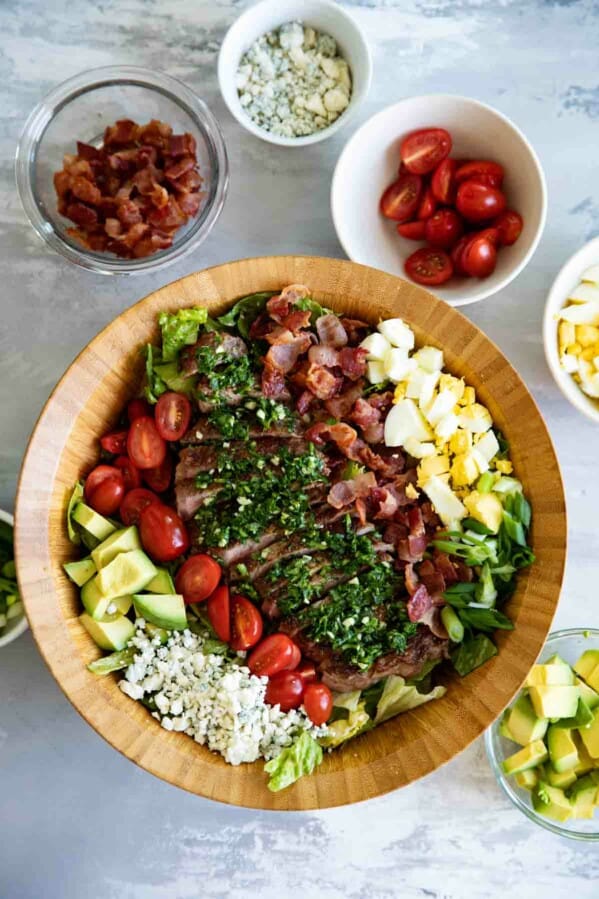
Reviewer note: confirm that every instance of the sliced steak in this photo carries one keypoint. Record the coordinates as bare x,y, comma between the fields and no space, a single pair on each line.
203,431
196,459
227,344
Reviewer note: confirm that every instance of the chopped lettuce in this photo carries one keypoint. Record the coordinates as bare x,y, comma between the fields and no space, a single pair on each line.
473,653
246,311
307,304
116,661
343,729
398,697
180,329
155,386
302,757
76,498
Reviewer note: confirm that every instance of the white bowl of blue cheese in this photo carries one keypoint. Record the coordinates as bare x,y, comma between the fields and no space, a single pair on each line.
293,73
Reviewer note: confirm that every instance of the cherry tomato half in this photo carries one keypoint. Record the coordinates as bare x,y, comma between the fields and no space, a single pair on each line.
285,689
443,181
116,442
246,624
97,475
134,503
444,228
130,473
297,657
429,266
106,498
198,577
145,446
306,670
412,230
163,534
479,202
158,479
318,703
275,653
422,150
456,254
400,201
479,257
173,412
218,608
509,224
138,408
427,206
490,172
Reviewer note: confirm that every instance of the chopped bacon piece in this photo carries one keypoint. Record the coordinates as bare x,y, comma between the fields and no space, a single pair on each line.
278,308
432,578
156,134
330,330
273,381
296,320
188,183
88,152
135,234
355,329
122,132
364,414
345,492
167,216
419,603
445,567
180,167
374,433
352,361
113,228
340,406
62,181
283,356
84,190
149,245
128,213
123,160
295,292
82,215
323,354
388,500
190,203
182,144
304,401
411,578
260,327
322,382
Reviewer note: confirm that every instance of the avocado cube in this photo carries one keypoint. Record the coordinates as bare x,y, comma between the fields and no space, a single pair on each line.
162,583
98,527
527,779
561,779
590,737
112,632
554,701
528,757
587,663
587,694
582,797
551,802
123,540
80,571
585,762
127,574
166,611
94,602
549,675
120,604
593,679
523,723
562,749
556,659
582,717
503,725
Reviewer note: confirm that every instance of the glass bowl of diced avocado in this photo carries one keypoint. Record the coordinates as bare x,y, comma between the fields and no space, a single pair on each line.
544,749
12,613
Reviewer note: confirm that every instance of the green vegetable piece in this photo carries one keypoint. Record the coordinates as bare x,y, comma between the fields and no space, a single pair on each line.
485,619
452,624
163,610
162,583
529,757
562,749
80,571
128,573
345,729
114,662
246,311
307,304
472,653
524,724
75,498
111,632
123,540
180,329
155,386
485,482
301,758
95,526
9,570
397,698
94,602
349,701
551,802
169,374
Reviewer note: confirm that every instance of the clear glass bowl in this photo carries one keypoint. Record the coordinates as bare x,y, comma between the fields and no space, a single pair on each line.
80,109
569,644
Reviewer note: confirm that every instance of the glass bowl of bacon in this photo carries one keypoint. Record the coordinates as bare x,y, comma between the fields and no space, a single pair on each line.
122,170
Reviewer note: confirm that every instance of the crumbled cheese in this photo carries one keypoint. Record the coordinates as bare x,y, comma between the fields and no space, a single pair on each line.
292,82
213,699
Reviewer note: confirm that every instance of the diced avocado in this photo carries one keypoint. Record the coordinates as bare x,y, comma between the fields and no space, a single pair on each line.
116,661
127,574
162,583
550,675
562,749
562,779
554,702
152,631
585,762
582,797
486,508
582,717
529,757
587,663
527,779
346,728
111,632
556,659
590,737
551,802
75,498
98,527
81,571
503,727
94,602
587,694
593,679
121,541
524,725
163,610
120,604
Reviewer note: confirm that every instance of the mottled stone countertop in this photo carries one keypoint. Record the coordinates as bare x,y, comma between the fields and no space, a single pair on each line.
77,819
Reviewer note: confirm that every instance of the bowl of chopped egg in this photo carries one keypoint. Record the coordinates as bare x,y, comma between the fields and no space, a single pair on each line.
293,73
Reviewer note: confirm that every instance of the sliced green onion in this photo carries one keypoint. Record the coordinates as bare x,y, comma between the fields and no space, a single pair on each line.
452,624
485,482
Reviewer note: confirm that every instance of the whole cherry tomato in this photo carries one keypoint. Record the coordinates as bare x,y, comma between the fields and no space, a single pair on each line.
275,653
306,670
491,234
479,202
106,498
246,624
429,266
115,443
158,479
133,504
427,205
163,534
443,181
509,224
456,254
173,412
138,408
198,577
443,229
218,609
97,475
285,689
318,703
297,657
145,447
400,201
489,172
412,230
479,257
131,474
422,150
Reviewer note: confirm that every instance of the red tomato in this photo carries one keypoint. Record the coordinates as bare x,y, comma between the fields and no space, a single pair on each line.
479,202
97,475
427,206
456,254
509,224
412,230
422,150
318,703
116,442
297,657
163,534
138,409
285,689
246,624
490,172
275,653
218,609
198,577
158,479
479,257
491,234
444,228
429,266
443,181
145,446
173,411
130,473
106,498
307,671
400,200
134,503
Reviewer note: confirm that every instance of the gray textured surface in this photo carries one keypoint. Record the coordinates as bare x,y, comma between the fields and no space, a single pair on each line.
78,820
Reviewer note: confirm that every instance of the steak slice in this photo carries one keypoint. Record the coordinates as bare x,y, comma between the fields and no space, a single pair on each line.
203,431
227,344
228,396
196,459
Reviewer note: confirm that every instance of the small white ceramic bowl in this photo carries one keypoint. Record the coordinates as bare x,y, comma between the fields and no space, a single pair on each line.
567,279
321,15
370,162
16,626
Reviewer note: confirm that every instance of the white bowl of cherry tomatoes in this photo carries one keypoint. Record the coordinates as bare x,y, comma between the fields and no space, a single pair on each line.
443,190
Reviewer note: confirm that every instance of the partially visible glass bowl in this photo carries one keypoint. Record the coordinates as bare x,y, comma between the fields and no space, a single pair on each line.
80,109
569,644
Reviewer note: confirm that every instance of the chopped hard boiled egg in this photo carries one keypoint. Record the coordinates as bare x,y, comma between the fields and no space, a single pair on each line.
405,420
397,333
375,371
419,450
447,505
475,418
441,406
429,358
376,345
397,364
585,293
578,333
447,427
591,274
488,446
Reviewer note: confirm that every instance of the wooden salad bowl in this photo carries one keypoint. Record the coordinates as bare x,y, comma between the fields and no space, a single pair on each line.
64,446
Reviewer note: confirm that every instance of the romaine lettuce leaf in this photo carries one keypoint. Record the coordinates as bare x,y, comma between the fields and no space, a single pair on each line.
180,329
397,697
302,757
344,729
246,311
473,653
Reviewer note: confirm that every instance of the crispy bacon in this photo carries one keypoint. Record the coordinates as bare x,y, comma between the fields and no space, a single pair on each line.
128,213
182,144
296,320
419,603
340,406
411,578
432,578
355,329
345,492
273,381
364,414
84,190
304,401
180,167
387,500
352,361
330,331
122,132
190,203
278,308
323,354
82,215
283,356
322,382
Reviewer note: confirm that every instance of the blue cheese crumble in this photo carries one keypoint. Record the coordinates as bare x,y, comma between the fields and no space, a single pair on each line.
212,698
293,82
